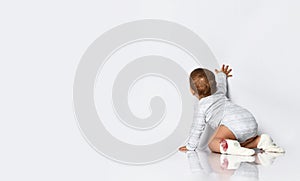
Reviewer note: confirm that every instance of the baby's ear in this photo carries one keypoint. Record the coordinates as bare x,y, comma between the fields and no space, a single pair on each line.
192,91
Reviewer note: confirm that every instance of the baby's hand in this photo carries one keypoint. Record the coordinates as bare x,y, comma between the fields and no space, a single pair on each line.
183,149
225,70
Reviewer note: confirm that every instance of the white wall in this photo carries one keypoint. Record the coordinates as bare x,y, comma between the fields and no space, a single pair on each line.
41,43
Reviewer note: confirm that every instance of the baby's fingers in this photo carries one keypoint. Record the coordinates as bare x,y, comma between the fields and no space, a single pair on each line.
183,148
229,71
223,67
226,68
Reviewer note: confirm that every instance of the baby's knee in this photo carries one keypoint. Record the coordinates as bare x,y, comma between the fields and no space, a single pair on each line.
213,145
210,146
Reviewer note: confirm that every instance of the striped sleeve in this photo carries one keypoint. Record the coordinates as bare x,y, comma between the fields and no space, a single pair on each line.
197,129
221,83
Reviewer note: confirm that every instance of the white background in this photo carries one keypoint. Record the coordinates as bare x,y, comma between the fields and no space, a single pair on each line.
41,43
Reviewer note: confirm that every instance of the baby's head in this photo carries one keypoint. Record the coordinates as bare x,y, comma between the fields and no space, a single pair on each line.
202,83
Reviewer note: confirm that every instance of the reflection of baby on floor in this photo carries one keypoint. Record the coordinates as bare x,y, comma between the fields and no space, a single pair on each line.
229,166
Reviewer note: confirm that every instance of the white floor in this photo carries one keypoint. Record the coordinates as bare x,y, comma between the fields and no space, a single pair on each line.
211,166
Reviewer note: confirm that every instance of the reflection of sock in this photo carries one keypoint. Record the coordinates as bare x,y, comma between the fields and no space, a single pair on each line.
266,143
246,171
267,158
233,147
234,161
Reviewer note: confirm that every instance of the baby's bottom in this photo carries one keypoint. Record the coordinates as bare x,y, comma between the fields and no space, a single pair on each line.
242,124
242,132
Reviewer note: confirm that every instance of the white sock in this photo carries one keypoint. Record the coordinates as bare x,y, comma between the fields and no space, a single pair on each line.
233,147
234,161
266,143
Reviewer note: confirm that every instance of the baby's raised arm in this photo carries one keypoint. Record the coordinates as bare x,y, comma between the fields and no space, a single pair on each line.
222,74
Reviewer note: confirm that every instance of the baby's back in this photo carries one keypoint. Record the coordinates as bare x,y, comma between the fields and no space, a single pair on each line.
218,107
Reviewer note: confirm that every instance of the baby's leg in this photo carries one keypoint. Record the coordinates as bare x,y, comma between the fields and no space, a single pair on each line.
221,133
224,141
251,143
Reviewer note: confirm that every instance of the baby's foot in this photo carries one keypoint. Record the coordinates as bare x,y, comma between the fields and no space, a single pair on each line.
266,143
233,147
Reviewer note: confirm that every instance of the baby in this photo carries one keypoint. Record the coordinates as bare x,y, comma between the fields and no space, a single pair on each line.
235,127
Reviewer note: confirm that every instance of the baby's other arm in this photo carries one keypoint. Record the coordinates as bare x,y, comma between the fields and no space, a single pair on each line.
197,128
196,131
